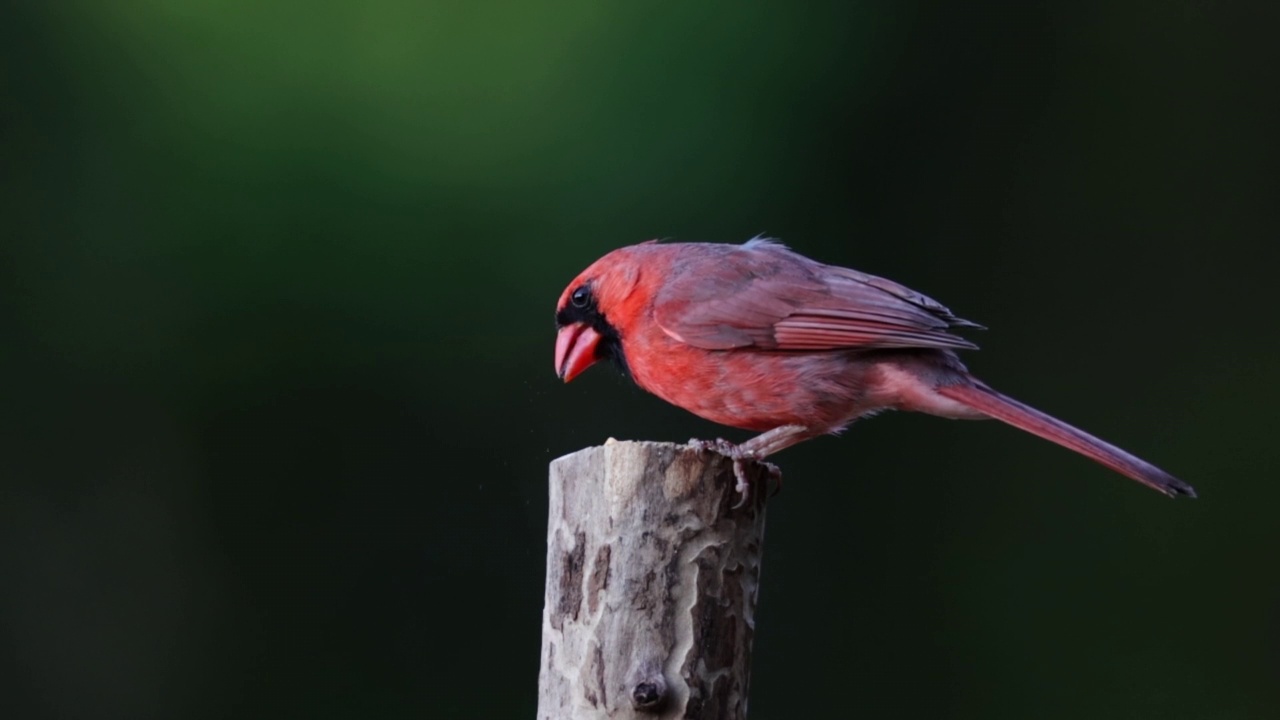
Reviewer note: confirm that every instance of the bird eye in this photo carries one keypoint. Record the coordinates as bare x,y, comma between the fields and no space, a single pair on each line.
580,297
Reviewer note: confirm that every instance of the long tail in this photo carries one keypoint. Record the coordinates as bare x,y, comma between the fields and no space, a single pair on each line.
1024,417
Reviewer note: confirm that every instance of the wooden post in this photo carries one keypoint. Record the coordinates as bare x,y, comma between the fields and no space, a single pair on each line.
652,578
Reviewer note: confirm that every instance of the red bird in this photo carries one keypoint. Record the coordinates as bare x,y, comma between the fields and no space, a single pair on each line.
758,337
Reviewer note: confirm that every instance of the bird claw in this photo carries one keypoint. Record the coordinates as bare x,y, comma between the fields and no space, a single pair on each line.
740,459
720,445
775,474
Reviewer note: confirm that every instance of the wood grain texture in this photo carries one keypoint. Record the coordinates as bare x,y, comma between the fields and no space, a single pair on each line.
652,579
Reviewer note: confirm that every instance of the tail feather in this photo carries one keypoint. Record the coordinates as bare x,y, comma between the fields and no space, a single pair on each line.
1024,417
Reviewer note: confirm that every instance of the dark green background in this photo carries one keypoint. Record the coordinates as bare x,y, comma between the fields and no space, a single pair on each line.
277,288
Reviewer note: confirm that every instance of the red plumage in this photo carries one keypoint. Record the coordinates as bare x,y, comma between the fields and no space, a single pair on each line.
758,337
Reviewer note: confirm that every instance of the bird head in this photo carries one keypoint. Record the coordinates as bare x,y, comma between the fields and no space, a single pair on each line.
595,310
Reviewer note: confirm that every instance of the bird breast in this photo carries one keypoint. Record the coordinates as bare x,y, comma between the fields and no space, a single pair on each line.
752,389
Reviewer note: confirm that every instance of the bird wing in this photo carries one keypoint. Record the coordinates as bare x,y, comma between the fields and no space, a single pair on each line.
763,295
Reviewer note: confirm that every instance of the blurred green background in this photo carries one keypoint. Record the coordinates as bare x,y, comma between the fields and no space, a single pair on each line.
276,292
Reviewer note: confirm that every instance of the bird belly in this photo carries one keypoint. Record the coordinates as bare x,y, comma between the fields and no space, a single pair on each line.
757,390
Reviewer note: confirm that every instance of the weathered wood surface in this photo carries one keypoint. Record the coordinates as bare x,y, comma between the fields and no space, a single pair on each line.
652,578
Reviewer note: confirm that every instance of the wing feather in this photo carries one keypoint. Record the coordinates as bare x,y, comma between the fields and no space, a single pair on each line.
763,295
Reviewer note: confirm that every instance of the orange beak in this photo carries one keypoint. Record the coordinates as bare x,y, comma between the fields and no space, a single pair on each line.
575,350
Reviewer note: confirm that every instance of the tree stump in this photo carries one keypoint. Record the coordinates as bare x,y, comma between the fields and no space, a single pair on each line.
652,578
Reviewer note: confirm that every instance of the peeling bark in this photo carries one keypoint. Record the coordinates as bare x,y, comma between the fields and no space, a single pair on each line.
652,578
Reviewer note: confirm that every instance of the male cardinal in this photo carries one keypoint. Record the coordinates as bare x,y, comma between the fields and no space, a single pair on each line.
758,337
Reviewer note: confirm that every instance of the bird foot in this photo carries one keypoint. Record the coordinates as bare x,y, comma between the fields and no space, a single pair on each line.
740,459
719,445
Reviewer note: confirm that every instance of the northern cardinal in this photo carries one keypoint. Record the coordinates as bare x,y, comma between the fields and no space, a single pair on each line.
758,337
